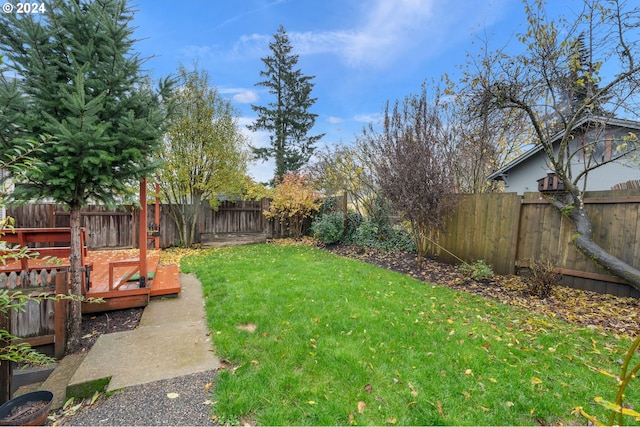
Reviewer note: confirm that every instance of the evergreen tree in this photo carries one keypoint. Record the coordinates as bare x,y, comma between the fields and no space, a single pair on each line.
287,118
581,82
81,80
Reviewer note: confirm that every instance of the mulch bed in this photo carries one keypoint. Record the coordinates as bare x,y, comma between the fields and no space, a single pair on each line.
96,324
590,309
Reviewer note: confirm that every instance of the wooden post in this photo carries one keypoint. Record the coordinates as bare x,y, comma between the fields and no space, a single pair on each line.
156,240
6,368
143,232
345,214
52,215
60,314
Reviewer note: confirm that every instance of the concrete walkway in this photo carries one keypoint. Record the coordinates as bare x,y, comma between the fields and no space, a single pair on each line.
171,340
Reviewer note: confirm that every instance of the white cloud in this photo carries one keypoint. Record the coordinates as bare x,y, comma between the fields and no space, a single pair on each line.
241,95
368,118
385,29
246,97
382,32
197,52
334,120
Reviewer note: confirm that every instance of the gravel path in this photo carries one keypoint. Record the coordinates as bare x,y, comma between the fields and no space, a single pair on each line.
150,405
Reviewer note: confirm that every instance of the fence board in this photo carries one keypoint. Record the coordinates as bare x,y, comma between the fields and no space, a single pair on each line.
484,226
118,228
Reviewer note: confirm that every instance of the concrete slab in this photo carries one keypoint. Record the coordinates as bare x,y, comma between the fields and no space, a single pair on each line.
172,340
60,377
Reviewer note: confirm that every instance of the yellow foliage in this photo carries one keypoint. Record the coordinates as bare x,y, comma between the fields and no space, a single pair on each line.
293,200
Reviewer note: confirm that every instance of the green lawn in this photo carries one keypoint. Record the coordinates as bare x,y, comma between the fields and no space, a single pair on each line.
339,342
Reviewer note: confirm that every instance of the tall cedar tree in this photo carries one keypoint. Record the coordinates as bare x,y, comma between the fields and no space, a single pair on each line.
287,118
82,83
204,153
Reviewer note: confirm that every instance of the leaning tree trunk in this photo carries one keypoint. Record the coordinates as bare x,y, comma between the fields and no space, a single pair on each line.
75,312
583,240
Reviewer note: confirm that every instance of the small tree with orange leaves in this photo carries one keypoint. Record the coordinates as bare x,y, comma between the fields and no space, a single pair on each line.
294,200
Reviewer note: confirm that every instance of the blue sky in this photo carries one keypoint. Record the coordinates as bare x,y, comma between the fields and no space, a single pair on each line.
361,52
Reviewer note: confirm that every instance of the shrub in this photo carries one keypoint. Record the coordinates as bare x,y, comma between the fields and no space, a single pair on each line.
354,220
367,234
329,227
294,200
478,270
542,278
388,238
399,239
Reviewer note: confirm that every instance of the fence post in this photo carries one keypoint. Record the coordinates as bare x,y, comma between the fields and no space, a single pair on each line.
6,368
60,314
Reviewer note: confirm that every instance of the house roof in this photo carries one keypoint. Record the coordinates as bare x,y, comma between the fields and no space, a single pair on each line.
557,137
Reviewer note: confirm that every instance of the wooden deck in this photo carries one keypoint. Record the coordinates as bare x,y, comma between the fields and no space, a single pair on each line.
163,280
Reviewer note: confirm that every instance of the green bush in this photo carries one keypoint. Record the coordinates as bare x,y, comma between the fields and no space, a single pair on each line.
400,240
329,227
384,237
367,234
477,271
354,220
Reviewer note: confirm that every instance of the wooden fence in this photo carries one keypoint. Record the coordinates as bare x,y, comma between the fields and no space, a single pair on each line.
508,230
40,323
117,228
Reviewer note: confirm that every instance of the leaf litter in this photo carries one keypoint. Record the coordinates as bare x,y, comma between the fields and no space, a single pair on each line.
620,315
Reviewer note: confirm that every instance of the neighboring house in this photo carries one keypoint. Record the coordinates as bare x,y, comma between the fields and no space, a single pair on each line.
522,174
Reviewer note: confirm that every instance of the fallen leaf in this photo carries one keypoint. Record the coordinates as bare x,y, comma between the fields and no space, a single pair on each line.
352,420
368,388
574,305
207,387
414,393
361,407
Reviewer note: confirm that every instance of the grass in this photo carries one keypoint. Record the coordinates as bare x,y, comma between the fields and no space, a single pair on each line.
339,342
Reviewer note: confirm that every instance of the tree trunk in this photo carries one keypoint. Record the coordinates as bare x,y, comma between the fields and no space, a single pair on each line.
583,240
193,226
75,318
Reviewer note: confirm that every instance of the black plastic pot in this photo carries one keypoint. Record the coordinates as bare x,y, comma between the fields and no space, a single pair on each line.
30,418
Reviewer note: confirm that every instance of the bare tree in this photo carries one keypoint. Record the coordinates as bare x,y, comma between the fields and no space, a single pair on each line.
485,140
345,169
574,73
413,163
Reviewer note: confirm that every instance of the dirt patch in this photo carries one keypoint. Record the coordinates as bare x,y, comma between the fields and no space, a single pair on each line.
249,327
94,325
